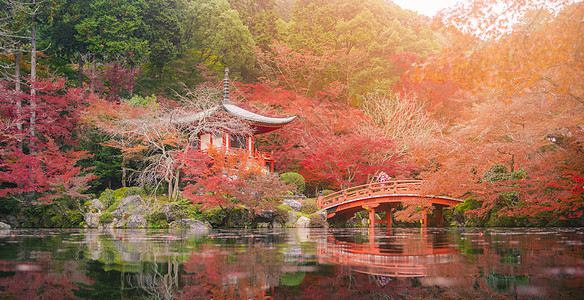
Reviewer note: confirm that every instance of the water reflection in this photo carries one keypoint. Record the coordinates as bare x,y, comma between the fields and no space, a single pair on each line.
388,254
295,263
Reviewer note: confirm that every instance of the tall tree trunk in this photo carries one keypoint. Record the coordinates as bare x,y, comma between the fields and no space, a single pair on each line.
18,89
17,73
33,76
176,185
124,171
170,188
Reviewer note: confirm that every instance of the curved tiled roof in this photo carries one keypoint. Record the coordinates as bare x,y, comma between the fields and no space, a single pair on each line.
262,124
253,117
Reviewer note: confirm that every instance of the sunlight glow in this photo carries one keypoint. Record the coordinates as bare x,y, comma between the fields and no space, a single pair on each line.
426,7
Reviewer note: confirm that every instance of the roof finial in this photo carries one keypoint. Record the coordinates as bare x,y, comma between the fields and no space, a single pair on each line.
226,86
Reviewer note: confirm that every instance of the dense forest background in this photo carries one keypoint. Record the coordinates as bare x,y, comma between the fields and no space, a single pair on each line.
484,101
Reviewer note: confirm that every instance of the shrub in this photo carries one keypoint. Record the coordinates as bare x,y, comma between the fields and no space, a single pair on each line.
9,205
107,197
106,217
184,208
284,206
316,221
156,220
309,206
327,192
127,191
215,216
294,179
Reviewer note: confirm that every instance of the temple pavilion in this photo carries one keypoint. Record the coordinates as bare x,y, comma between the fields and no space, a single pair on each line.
234,142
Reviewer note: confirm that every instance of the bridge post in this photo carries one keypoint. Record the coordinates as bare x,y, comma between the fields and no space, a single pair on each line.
388,215
425,217
439,217
371,217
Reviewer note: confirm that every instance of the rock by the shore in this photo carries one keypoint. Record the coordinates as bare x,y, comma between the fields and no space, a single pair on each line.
136,221
302,222
95,206
295,205
12,221
4,226
132,205
91,219
168,212
292,217
190,224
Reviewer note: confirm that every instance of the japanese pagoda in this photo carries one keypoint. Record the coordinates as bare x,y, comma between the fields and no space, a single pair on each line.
234,142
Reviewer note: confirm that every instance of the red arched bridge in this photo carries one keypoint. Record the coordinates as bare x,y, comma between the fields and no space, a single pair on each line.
382,196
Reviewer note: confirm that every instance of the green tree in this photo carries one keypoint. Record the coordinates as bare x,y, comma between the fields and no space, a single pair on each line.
216,30
114,28
294,179
164,32
260,18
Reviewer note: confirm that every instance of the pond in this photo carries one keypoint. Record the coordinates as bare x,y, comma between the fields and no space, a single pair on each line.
293,264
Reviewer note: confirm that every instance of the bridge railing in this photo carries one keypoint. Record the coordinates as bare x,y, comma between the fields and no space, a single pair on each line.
370,190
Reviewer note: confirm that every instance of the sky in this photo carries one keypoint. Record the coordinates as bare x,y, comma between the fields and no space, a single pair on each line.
425,7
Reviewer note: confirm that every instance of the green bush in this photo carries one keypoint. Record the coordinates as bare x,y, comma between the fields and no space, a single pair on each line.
127,191
157,220
316,221
107,197
9,205
327,192
294,179
185,208
309,206
215,216
284,206
106,217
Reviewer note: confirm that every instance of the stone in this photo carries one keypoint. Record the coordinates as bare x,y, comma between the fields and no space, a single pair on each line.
263,225
91,220
302,222
292,217
132,205
136,221
323,213
168,212
95,206
190,224
12,221
4,226
295,205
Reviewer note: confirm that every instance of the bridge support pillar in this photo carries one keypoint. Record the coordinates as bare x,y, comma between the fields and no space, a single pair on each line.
371,217
424,217
439,217
388,215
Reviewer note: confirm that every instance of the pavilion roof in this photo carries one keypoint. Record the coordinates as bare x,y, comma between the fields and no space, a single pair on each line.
260,124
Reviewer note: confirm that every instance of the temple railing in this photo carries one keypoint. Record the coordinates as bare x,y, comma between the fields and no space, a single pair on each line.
370,191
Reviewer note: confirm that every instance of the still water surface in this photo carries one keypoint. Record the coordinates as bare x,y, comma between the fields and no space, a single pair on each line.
293,264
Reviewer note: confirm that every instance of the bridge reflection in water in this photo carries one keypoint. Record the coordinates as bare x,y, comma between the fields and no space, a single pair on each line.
389,254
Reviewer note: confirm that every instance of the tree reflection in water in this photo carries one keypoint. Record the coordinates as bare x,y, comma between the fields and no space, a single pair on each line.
292,264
